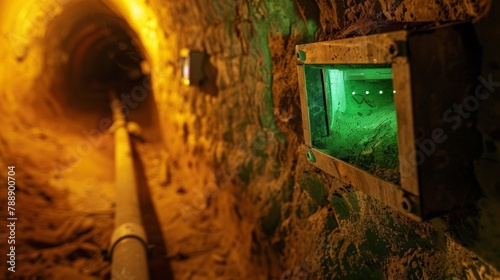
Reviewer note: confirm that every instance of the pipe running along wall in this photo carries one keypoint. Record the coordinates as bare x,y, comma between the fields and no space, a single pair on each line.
128,249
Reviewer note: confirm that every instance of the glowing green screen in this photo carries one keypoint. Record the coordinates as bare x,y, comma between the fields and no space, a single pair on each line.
352,116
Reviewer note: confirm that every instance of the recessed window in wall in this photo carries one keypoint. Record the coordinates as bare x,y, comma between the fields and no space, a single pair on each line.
378,114
353,117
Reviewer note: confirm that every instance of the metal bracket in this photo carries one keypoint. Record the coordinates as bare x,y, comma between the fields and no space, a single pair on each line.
126,230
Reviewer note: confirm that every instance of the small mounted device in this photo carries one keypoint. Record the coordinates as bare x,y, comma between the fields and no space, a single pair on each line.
192,63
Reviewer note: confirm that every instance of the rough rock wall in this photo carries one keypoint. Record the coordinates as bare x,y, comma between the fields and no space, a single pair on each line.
245,121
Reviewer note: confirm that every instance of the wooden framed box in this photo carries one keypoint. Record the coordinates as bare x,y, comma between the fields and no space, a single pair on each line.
392,115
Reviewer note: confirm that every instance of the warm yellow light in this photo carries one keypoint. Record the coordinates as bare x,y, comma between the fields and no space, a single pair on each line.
142,19
184,52
137,10
186,81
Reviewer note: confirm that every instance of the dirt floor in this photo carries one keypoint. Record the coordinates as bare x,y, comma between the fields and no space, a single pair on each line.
65,207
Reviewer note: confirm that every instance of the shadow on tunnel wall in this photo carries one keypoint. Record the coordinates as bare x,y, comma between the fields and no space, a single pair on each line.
159,268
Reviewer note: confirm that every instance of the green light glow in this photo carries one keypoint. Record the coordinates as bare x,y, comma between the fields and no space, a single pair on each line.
352,116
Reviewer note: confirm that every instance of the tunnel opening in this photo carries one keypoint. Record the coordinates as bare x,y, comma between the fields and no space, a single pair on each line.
103,54
89,51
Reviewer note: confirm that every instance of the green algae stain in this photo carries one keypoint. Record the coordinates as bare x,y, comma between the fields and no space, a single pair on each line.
340,207
331,223
315,189
245,172
273,218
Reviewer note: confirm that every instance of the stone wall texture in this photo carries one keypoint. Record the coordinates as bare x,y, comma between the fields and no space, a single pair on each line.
249,122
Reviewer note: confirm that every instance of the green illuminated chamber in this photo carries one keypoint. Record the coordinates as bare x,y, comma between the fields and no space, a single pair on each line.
352,116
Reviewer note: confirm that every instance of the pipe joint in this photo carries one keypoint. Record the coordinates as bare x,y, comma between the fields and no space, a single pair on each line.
124,231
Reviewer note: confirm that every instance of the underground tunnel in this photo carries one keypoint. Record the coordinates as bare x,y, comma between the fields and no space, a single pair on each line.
88,51
114,166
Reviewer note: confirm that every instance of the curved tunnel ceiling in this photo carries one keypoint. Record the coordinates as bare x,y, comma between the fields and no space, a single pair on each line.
61,55
74,57
94,49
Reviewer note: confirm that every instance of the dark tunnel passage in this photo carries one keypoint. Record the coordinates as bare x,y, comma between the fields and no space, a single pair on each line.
93,56
102,53
89,50
88,54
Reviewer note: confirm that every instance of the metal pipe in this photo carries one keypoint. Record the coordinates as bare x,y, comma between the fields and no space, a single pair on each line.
129,249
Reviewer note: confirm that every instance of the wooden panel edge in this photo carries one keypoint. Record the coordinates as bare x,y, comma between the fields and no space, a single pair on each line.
387,193
406,135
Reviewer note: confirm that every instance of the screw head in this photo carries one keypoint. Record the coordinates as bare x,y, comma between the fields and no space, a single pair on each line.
310,156
301,55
